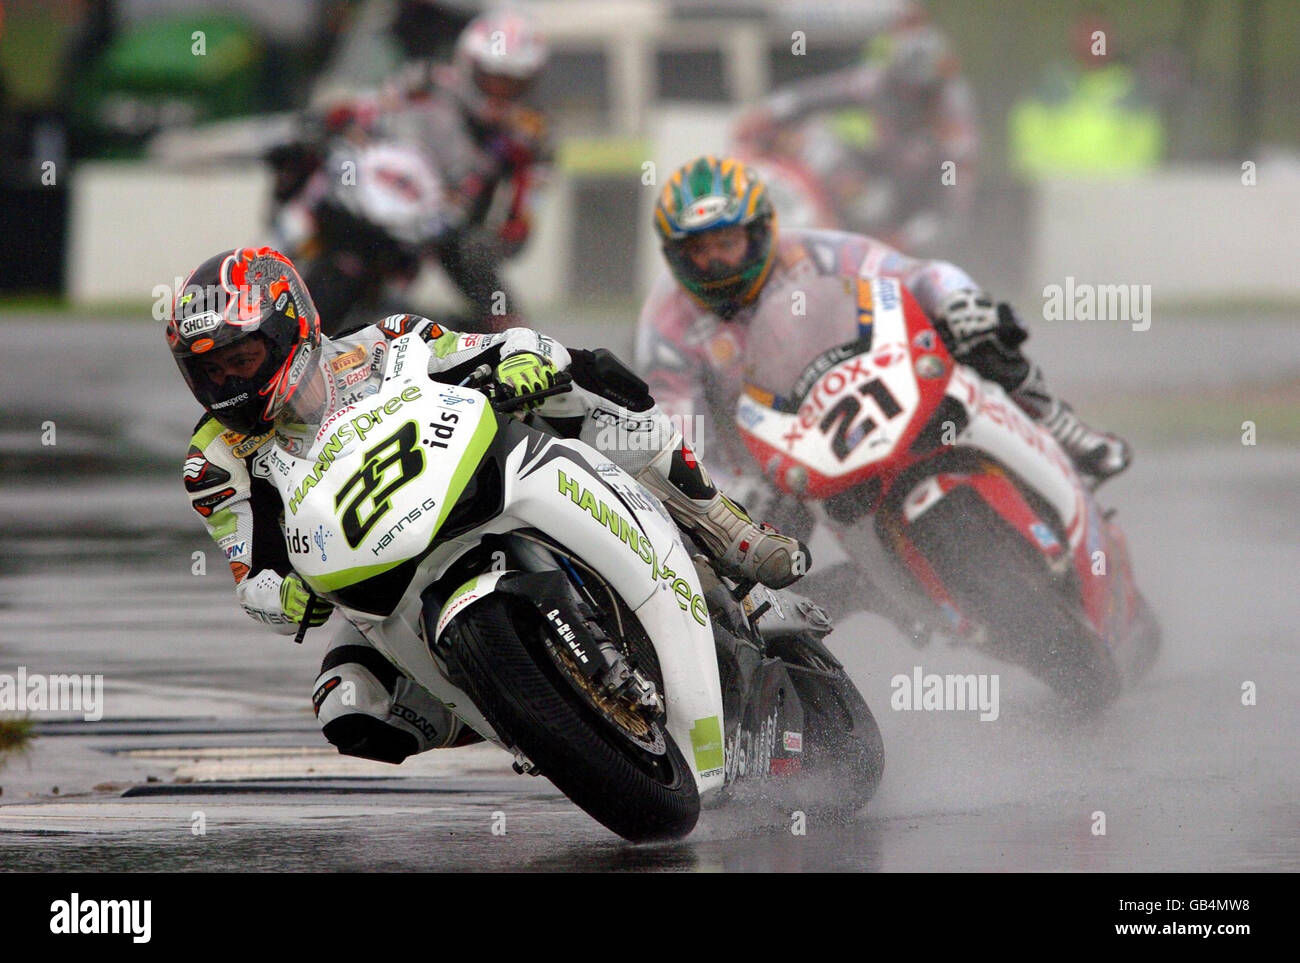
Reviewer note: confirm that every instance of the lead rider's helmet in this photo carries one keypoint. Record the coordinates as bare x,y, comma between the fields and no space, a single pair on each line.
239,295
705,195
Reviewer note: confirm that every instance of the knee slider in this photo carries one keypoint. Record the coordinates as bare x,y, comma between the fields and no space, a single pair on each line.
366,737
347,684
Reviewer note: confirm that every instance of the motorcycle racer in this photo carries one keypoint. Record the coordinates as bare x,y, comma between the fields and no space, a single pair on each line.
730,273
875,134
492,148
489,149
246,336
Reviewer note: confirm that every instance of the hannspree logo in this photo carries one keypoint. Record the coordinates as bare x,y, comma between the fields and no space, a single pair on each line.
638,543
199,324
354,429
704,210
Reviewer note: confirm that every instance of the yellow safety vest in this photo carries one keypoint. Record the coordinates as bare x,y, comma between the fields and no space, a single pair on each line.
1092,131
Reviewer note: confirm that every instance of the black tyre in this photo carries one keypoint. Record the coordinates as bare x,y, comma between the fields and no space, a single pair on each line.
844,754
998,579
498,648
1148,639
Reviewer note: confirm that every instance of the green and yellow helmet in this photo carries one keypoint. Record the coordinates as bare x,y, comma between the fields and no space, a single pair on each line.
705,195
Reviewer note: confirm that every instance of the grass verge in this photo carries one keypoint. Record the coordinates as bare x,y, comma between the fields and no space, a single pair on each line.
15,738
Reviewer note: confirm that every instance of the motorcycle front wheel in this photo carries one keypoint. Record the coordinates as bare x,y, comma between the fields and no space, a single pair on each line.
843,752
998,579
633,781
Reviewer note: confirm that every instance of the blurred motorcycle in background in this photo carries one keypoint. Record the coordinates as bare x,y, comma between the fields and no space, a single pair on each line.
995,538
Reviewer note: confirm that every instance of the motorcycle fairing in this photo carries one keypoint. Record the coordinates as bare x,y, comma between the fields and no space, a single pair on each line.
377,494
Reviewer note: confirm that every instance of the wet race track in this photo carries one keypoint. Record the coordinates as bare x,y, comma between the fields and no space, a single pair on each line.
207,756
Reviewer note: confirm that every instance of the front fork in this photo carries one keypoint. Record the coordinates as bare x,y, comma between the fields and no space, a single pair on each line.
572,599
549,582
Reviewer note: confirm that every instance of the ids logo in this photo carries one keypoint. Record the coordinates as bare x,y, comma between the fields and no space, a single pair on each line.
298,542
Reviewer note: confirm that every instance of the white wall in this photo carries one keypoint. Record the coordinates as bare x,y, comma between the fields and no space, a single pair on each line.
1192,233
1189,234
168,222
134,226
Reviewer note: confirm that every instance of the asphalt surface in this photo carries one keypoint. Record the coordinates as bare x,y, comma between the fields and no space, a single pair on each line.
207,756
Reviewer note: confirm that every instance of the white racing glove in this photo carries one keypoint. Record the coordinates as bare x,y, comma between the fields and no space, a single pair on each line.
969,318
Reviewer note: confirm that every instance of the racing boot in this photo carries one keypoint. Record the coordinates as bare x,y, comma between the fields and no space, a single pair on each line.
636,434
1097,454
987,336
738,546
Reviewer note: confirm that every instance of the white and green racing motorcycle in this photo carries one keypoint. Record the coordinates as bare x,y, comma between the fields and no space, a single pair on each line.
548,599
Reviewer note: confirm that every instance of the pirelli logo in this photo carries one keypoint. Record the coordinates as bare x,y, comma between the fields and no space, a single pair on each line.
350,360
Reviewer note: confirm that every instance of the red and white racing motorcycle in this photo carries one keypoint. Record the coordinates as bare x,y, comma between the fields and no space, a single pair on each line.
989,524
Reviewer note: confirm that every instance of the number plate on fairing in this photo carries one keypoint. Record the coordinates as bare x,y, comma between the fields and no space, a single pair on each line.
853,416
376,485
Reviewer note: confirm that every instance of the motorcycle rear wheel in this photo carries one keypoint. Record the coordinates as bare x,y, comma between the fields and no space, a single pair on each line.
842,743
